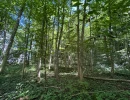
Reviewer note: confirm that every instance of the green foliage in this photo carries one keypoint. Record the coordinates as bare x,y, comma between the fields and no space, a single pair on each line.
106,33
71,91
68,87
124,95
37,91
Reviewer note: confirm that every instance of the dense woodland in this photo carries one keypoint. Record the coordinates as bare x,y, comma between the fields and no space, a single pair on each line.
64,49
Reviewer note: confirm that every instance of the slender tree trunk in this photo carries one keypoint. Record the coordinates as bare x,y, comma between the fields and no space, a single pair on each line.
81,55
24,64
4,41
106,50
59,42
30,36
111,42
56,72
50,61
78,44
25,55
39,69
41,59
30,50
91,60
12,38
94,43
51,50
27,44
40,52
46,45
65,60
43,42
1,21
128,46
91,50
26,48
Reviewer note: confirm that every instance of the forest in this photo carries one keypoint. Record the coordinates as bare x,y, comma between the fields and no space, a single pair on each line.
64,49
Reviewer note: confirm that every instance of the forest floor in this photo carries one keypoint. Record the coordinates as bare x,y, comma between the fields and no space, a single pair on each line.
68,87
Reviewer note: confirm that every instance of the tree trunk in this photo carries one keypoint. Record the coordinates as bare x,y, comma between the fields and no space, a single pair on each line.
81,55
56,45
39,70
30,51
106,49
26,48
111,42
91,50
25,54
41,59
59,42
51,50
50,61
12,38
78,44
46,44
4,41
24,64
27,43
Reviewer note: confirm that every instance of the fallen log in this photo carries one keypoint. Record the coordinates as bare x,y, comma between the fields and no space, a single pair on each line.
107,79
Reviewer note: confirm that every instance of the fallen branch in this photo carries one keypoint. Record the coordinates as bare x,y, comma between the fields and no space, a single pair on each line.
107,79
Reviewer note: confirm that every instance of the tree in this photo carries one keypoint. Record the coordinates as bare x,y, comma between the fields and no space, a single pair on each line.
12,36
59,36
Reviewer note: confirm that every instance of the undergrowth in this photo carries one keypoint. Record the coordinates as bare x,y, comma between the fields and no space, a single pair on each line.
13,87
